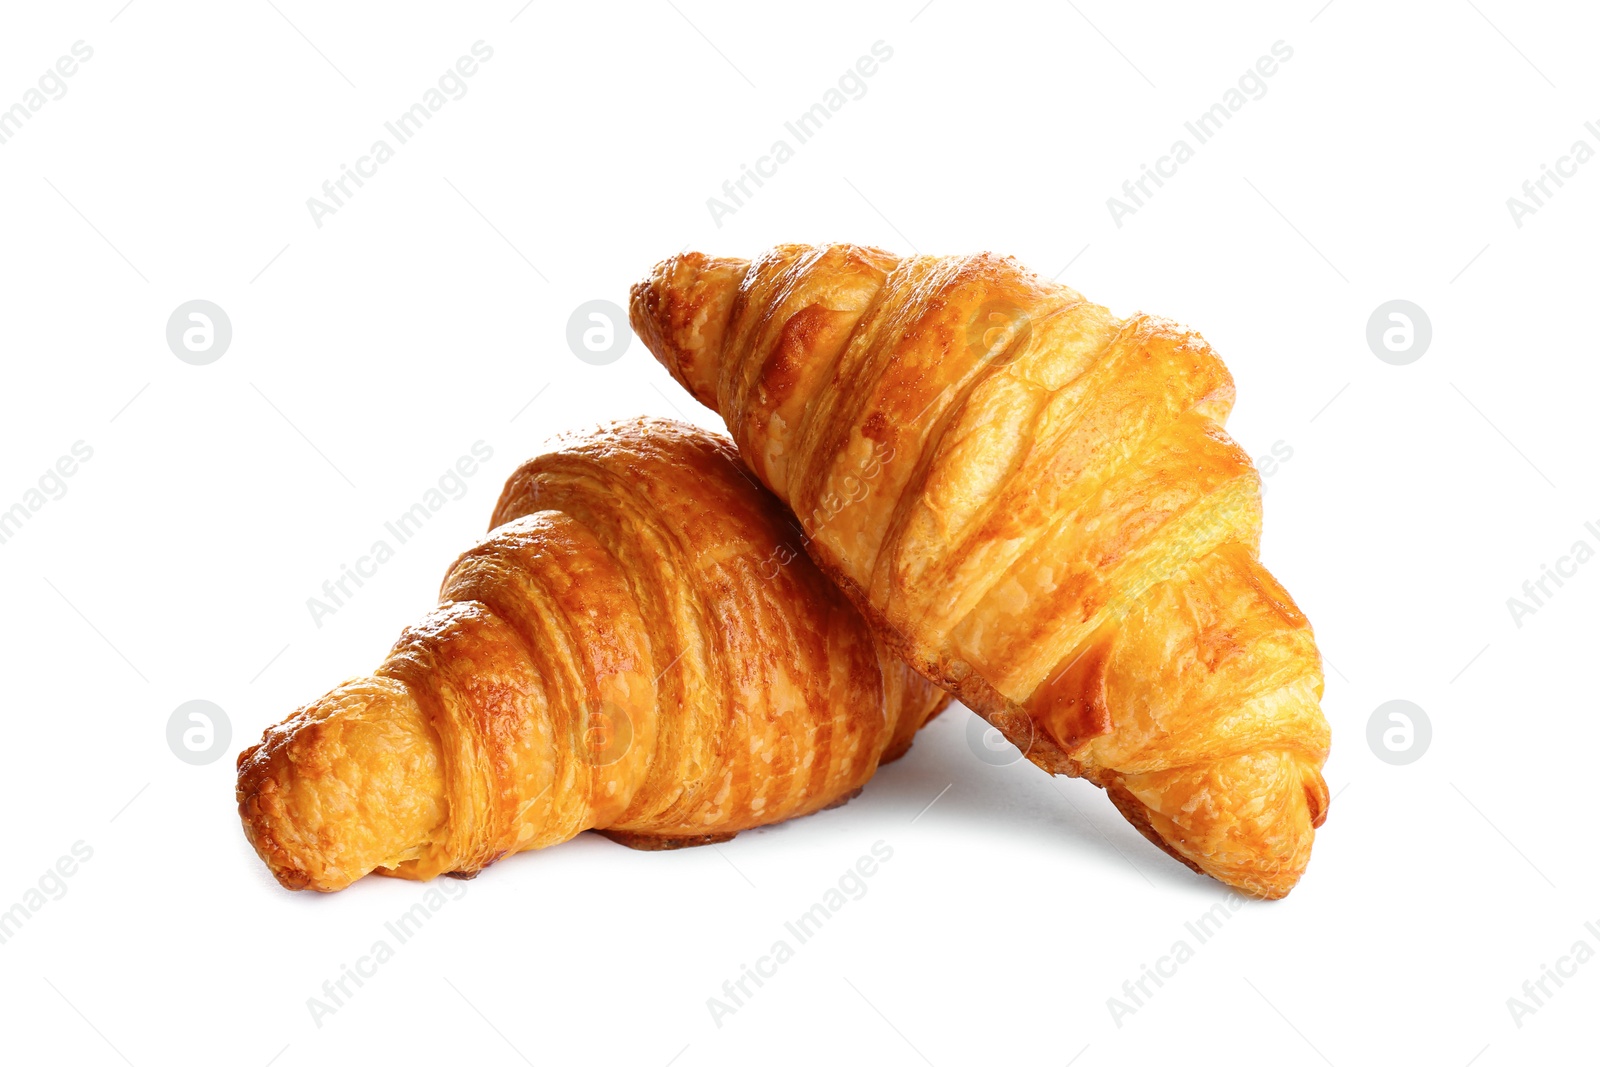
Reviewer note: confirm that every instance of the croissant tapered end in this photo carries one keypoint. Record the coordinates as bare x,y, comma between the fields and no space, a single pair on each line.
348,784
1199,815
681,312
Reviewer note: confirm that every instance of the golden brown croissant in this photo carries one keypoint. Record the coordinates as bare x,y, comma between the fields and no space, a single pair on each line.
633,648
1034,502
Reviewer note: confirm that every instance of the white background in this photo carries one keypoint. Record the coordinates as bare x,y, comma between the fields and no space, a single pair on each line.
425,314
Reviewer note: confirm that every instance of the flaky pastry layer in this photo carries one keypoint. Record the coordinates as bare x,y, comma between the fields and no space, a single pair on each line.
636,647
1034,502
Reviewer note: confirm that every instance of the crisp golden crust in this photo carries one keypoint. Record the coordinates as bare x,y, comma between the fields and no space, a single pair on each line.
1034,503
349,783
636,647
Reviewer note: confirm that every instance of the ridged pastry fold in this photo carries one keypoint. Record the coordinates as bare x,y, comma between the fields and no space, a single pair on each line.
1035,503
636,647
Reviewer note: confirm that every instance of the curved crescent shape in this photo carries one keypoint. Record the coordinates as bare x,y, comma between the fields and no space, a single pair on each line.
635,648
1035,503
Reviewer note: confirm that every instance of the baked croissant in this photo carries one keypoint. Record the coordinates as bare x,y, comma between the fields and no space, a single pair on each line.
634,648
1033,502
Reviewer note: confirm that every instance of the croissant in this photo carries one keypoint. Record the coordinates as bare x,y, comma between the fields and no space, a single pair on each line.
634,648
1034,503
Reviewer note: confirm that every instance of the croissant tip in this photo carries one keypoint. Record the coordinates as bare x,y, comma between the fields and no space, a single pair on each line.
681,312
259,811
